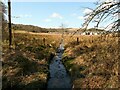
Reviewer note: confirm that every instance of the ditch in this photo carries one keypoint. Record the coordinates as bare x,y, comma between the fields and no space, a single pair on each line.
58,78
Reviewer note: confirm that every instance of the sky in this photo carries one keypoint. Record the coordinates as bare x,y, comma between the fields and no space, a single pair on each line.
50,14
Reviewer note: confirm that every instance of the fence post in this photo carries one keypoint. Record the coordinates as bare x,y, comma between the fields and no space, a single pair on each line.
77,40
44,41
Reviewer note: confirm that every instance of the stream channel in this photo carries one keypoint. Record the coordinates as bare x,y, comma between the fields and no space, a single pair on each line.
59,77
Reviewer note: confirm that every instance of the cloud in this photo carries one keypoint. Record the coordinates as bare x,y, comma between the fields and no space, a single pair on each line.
52,16
81,17
74,14
87,11
25,16
108,0
56,15
47,20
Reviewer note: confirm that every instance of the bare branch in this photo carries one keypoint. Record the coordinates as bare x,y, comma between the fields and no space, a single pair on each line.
102,11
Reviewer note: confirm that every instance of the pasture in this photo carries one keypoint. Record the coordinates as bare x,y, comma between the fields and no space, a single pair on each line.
91,61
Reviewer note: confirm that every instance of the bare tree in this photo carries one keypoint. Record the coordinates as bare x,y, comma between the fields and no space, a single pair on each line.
63,29
63,26
3,21
105,10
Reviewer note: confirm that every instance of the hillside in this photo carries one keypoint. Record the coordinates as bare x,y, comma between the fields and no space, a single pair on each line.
29,28
37,29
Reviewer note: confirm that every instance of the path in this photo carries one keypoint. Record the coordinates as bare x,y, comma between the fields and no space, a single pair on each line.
58,75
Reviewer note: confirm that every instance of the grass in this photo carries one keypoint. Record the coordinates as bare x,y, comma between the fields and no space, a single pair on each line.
94,63
25,66
91,63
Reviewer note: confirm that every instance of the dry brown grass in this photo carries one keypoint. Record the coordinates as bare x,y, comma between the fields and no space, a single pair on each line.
92,63
25,66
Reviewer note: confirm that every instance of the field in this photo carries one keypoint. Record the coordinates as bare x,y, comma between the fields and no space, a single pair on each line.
92,61
26,64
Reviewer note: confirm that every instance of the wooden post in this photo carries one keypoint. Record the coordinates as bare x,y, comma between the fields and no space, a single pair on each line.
9,25
77,40
44,41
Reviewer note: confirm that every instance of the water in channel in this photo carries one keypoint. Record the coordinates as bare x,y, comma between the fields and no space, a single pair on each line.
59,78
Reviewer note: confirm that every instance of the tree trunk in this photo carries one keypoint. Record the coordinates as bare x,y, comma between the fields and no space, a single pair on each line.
9,26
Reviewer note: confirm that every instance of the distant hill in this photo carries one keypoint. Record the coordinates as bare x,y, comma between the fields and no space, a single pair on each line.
96,30
32,28
29,28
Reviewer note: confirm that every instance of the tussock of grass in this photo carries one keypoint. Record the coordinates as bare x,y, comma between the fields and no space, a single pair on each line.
26,65
95,62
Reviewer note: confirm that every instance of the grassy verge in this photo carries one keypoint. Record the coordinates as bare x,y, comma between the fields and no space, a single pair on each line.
93,63
25,66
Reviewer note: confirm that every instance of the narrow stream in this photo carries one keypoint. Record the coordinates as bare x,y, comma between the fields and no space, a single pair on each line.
58,75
